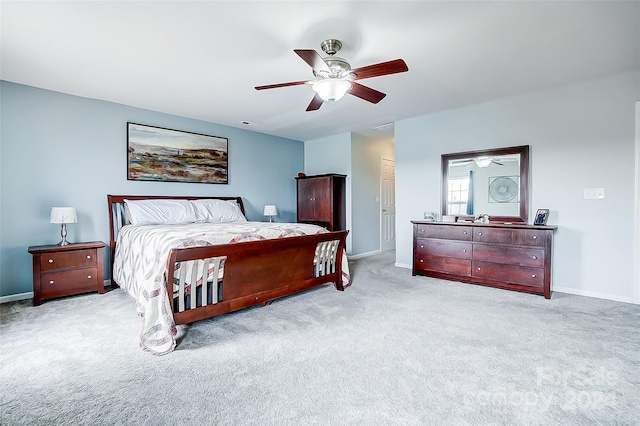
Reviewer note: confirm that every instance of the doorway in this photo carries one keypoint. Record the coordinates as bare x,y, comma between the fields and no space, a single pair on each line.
388,205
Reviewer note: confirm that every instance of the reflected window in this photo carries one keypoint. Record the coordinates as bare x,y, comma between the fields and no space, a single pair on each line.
458,195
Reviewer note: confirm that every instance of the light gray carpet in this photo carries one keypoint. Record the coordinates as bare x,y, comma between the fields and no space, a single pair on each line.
391,350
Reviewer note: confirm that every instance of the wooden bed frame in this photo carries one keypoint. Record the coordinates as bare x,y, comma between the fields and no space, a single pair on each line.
254,272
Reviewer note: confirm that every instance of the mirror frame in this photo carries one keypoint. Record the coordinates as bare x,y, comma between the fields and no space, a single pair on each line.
524,180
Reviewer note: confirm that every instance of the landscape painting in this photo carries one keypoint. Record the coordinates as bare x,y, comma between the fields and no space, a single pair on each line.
158,154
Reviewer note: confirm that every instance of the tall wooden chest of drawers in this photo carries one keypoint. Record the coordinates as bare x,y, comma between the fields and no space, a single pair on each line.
514,256
67,270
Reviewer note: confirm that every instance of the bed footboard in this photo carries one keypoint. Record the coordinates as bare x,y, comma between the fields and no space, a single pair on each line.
212,280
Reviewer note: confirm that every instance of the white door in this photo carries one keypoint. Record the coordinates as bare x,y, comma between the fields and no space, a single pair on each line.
388,204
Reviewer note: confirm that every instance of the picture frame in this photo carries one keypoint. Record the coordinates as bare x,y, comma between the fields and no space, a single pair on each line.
431,217
541,217
166,155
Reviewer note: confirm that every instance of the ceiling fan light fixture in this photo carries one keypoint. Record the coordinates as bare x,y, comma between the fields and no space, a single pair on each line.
331,90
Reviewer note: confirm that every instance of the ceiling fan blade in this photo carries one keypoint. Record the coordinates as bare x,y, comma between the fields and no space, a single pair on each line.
273,86
366,93
316,103
383,68
312,58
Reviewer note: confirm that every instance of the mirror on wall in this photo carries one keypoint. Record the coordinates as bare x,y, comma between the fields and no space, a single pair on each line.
492,182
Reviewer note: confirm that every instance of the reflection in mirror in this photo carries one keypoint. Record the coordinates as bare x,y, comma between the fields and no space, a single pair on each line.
489,182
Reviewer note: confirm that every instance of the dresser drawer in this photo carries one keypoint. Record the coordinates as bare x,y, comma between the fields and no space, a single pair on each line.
533,277
520,256
68,259
442,248
445,232
526,237
445,265
69,282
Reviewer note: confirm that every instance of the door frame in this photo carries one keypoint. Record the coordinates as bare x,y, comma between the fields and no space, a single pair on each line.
382,159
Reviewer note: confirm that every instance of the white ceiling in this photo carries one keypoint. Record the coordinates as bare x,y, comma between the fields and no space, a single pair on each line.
203,59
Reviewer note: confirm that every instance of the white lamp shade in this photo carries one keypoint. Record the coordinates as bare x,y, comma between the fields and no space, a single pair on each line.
63,215
331,89
270,210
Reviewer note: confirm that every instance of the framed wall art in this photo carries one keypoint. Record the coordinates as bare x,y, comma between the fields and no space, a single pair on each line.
165,155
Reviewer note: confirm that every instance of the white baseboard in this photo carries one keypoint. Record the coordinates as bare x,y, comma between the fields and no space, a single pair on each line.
29,295
361,255
595,294
403,265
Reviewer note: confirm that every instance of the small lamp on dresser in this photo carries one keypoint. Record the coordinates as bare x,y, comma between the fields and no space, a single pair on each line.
271,211
63,215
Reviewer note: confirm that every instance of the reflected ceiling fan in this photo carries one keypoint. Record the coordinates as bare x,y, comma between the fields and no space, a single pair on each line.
480,162
335,78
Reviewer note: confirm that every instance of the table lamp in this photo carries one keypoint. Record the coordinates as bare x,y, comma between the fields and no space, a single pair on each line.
270,210
63,215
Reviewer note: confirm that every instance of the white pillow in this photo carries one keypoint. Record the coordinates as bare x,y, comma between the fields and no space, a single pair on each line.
160,212
218,211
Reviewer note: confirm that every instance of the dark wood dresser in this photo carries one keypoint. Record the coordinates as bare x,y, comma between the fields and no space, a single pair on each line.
322,201
514,256
67,270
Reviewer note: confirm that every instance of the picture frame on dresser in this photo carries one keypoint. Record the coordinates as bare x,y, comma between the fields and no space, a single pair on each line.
542,215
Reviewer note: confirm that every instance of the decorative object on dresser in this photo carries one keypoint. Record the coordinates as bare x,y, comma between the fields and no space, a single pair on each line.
321,201
515,256
63,215
67,270
270,210
541,217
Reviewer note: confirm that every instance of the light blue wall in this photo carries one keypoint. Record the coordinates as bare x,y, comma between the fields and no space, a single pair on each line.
581,136
62,150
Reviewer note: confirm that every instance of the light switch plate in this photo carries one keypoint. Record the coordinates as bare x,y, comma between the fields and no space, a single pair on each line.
594,193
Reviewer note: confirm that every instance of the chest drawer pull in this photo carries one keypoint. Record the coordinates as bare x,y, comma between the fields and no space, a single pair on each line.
88,257
464,233
480,233
478,268
50,260
88,276
534,256
421,260
52,282
535,237
464,250
533,275
421,245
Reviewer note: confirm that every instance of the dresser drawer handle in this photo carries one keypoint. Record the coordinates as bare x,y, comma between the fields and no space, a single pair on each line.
50,260
464,250
52,282
533,275
535,237
88,276
478,268
421,245
88,257
480,233
421,261
535,257
464,233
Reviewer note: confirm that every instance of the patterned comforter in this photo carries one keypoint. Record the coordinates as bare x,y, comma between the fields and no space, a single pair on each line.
141,256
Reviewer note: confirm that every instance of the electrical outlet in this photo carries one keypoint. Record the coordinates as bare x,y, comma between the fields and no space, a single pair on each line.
594,193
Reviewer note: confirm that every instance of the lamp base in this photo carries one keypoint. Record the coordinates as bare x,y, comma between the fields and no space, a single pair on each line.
63,233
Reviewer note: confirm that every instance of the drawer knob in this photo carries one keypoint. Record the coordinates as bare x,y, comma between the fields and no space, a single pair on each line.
421,245
88,257
533,275
464,250
464,233
535,257
51,282
89,276
535,237
50,260
480,233
478,268
421,261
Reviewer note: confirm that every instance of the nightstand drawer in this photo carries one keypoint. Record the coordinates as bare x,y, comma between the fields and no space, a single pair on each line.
69,282
68,259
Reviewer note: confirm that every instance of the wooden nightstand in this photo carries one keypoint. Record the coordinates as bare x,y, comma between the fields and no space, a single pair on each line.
67,270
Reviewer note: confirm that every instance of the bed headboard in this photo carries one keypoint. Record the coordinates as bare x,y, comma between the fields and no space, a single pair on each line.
118,216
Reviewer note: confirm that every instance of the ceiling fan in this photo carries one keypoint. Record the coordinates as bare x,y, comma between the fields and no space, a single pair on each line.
335,78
